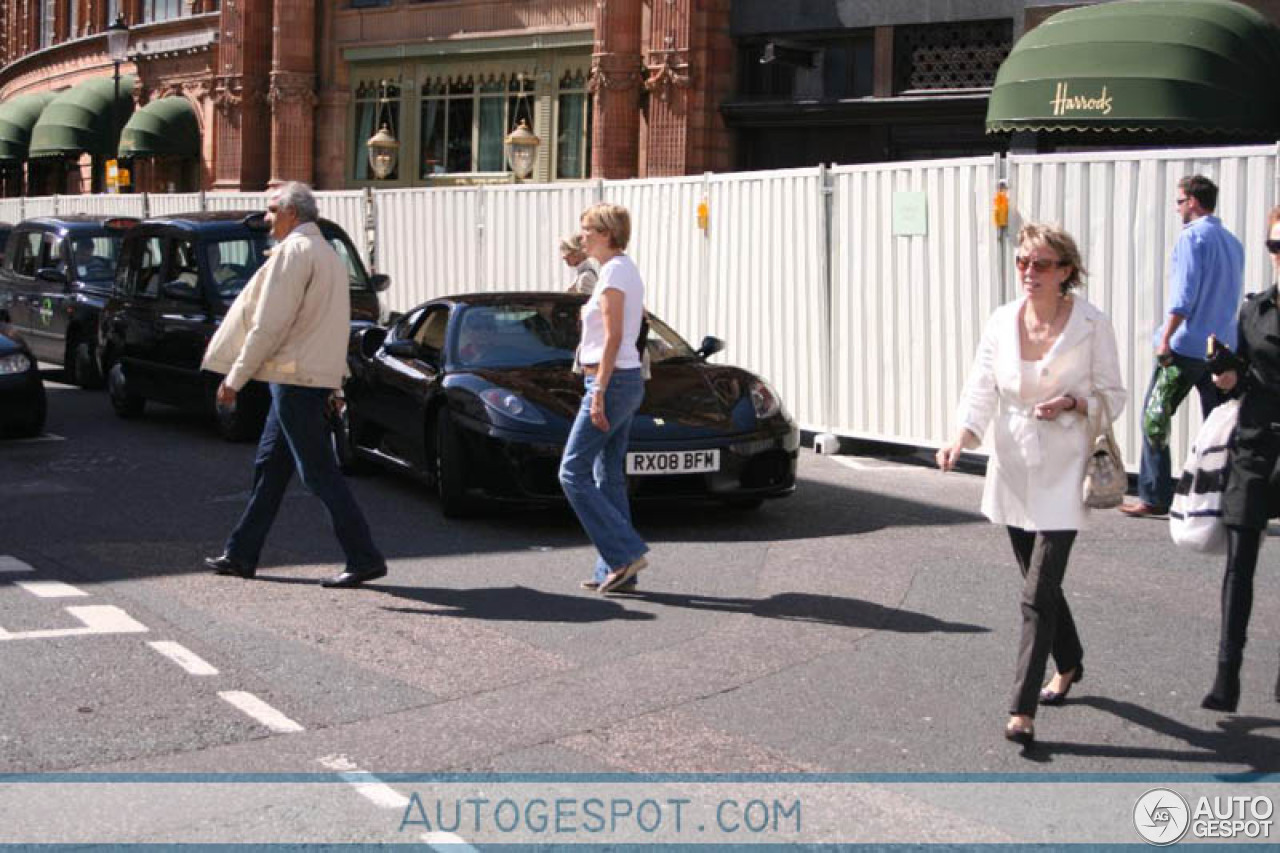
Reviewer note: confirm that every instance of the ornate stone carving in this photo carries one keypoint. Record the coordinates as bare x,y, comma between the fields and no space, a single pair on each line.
668,74
230,92
288,86
609,71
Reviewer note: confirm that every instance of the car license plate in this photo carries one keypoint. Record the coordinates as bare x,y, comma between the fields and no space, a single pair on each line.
673,462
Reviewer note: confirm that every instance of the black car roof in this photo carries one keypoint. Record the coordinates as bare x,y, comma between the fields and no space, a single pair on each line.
214,220
514,296
73,222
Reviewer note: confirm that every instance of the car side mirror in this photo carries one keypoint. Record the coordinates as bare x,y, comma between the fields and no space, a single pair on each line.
52,275
368,340
181,291
710,346
401,349
379,281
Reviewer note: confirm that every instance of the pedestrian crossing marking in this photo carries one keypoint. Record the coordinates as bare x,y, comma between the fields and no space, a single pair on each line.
95,618
51,589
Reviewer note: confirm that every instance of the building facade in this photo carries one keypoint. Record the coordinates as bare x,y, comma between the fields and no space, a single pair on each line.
276,90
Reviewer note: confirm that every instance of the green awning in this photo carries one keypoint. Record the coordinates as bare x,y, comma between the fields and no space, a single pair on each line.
1188,65
79,119
165,126
17,117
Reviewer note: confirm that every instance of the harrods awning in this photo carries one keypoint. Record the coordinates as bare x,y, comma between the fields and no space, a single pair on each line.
80,119
1186,65
17,117
166,126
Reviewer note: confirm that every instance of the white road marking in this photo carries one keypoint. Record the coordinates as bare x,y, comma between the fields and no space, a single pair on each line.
366,784
183,657
51,589
384,796
96,618
13,564
260,711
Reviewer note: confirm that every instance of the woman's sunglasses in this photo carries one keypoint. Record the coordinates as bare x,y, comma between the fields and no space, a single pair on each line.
1273,246
1039,264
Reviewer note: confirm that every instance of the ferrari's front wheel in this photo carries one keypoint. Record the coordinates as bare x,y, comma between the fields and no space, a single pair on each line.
450,474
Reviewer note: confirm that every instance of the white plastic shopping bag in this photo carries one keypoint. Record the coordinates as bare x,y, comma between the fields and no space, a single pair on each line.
1195,518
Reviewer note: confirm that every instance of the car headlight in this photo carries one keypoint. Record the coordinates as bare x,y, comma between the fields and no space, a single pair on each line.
764,400
16,363
511,405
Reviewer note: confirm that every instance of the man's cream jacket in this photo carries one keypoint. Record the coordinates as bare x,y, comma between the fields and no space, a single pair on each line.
291,323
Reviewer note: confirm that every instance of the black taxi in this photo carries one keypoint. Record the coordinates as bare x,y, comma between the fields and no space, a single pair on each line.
176,279
55,278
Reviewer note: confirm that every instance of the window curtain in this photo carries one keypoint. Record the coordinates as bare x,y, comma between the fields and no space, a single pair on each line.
570,136
492,127
364,129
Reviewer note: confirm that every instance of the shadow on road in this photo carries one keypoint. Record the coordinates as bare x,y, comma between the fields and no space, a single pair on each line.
1237,740
522,604
512,604
818,609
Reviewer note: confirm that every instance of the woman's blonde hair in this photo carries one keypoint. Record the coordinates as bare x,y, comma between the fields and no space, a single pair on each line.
611,219
1062,244
1272,218
571,245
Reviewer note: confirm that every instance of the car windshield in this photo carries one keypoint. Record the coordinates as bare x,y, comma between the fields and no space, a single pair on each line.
233,260
540,334
95,257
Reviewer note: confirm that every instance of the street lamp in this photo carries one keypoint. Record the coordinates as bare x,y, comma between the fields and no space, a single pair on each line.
118,50
384,148
522,150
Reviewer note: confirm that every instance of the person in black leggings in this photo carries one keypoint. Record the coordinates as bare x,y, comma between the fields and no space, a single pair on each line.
1250,497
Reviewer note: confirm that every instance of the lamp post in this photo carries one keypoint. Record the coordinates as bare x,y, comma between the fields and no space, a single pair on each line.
118,50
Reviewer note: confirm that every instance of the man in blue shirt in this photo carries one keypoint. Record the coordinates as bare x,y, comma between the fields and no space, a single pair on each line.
1205,284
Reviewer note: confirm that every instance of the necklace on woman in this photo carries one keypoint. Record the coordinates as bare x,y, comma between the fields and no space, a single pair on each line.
1039,333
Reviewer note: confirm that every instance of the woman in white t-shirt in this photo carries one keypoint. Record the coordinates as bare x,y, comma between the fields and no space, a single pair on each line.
593,470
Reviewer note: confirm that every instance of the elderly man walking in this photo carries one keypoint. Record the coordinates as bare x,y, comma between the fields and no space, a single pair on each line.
1205,284
289,327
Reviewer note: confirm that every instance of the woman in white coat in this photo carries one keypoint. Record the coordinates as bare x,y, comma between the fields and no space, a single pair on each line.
1045,365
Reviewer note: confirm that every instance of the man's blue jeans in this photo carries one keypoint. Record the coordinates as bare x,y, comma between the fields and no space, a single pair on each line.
1155,477
297,435
593,472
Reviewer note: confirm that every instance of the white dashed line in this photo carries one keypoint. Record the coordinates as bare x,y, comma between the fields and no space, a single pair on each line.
183,657
260,711
384,796
51,589
366,784
96,618
13,564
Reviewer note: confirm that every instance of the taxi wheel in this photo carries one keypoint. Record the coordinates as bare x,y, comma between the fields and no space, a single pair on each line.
449,477
126,403
85,366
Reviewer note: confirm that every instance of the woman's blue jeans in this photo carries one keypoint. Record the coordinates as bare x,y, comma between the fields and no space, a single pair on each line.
296,434
593,472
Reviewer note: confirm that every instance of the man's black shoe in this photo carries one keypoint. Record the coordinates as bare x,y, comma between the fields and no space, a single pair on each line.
224,565
346,580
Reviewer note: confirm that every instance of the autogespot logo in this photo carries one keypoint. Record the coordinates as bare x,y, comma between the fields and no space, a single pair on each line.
1161,816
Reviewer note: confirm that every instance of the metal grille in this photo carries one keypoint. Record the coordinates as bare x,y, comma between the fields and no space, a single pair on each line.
963,55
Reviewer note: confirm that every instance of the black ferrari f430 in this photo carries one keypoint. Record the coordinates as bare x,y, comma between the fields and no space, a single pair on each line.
476,395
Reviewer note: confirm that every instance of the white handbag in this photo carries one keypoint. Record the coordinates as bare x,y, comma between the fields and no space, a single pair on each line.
1195,516
1105,480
